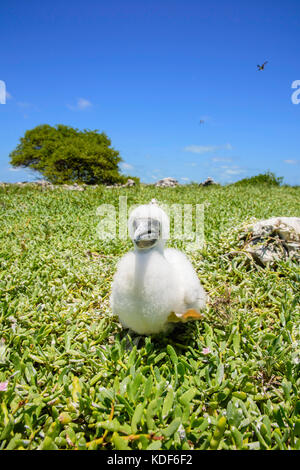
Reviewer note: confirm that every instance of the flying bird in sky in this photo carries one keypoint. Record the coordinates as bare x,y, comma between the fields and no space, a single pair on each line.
201,121
262,67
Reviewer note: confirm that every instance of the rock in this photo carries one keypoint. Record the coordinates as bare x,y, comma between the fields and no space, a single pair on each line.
209,181
74,187
168,182
268,241
130,183
43,183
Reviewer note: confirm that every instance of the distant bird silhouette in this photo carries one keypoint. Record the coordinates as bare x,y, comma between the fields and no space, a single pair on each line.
201,121
262,67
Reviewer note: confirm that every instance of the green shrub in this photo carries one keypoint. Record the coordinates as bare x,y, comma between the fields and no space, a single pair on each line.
263,178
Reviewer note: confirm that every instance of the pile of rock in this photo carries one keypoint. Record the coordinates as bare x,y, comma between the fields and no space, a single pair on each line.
74,187
167,183
42,183
209,181
270,240
47,185
19,183
129,184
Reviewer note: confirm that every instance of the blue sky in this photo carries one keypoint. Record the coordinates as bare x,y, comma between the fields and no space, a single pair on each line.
146,73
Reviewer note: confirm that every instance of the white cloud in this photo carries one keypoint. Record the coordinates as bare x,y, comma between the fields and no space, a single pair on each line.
126,166
291,162
232,171
14,169
220,159
200,149
81,105
228,147
156,174
24,104
226,170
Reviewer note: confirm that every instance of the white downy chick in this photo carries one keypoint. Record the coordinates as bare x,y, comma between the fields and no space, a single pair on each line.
153,286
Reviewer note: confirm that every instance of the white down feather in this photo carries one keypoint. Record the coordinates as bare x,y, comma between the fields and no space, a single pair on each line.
150,283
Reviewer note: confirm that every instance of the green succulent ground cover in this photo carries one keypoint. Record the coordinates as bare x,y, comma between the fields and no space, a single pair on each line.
74,379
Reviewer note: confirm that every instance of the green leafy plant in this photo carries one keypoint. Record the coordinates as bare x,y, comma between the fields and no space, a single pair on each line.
63,154
267,178
72,378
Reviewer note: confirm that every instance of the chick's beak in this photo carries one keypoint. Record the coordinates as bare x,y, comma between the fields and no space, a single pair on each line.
146,234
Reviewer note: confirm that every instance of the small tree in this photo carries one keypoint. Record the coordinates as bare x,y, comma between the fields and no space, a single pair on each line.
63,154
